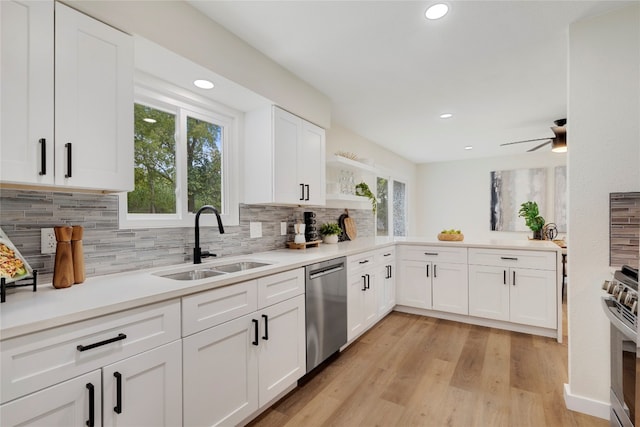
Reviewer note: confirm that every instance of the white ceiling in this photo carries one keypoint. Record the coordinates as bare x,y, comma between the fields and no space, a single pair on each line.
499,66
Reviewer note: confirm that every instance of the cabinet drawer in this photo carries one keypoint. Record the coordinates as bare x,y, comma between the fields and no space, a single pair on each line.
357,263
386,256
211,308
513,258
35,361
280,287
434,253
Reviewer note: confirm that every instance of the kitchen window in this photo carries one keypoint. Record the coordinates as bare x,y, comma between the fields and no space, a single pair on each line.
185,157
391,215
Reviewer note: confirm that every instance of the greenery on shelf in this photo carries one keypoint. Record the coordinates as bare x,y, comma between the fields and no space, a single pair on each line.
531,214
330,228
363,189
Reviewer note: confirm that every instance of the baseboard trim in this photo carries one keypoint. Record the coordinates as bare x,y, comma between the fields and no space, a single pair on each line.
585,405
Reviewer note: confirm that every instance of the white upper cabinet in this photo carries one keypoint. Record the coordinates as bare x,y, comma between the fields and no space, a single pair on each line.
94,103
284,159
26,92
90,145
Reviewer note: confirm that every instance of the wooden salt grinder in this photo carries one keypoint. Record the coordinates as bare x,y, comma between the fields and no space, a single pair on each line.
78,254
63,266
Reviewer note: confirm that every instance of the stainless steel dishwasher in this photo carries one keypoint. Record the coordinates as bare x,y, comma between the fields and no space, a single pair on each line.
326,309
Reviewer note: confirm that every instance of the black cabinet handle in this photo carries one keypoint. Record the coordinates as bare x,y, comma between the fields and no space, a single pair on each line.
389,254
118,407
509,258
301,191
427,270
364,282
435,271
101,343
514,278
266,327
504,277
255,332
431,253
307,187
368,281
43,156
68,146
363,262
390,272
91,421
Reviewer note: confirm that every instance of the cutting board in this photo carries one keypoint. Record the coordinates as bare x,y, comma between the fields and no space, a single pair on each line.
350,226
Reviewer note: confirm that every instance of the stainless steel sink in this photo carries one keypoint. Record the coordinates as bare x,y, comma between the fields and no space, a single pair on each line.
240,266
212,271
193,274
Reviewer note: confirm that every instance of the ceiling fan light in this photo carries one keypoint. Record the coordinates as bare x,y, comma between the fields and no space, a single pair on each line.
559,143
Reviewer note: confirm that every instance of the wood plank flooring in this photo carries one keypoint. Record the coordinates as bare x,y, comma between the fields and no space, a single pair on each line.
418,371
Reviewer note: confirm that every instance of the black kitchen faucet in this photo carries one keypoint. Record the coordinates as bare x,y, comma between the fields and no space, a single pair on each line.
197,253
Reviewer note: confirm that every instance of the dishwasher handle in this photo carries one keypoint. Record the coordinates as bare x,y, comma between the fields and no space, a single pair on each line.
314,274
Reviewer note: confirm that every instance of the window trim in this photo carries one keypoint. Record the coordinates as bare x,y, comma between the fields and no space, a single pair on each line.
391,177
166,97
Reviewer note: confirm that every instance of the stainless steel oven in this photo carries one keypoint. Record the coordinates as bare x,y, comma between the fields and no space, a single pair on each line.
621,307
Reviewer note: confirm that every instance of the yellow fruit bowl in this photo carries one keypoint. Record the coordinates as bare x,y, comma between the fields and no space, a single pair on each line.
451,237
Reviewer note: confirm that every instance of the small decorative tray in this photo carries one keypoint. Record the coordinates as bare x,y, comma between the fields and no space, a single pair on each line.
451,237
13,266
293,245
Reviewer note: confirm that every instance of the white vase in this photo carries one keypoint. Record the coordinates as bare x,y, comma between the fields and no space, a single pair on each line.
331,238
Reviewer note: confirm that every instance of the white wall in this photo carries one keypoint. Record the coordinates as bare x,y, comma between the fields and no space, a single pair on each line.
457,194
342,139
182,29
604,155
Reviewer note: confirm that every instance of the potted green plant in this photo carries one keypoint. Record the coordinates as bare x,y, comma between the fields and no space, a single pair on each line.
363,189
531,214
330,232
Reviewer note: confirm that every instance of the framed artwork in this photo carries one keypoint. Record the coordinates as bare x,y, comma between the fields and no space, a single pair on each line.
511,188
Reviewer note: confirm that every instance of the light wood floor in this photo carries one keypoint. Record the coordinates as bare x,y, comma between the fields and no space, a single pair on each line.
417,371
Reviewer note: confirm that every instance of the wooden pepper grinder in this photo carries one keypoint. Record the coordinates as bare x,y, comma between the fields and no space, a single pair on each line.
63,266
78,254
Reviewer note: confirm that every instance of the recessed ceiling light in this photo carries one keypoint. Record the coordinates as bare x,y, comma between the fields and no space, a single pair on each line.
468,147
149,120
436,11
203,84
446,115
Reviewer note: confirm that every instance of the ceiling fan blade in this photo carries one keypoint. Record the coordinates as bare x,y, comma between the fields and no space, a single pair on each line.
526,140
540,146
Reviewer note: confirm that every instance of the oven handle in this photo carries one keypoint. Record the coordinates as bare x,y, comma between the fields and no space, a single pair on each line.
619,325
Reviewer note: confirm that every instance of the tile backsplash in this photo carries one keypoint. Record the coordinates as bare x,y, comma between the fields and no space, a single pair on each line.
109,249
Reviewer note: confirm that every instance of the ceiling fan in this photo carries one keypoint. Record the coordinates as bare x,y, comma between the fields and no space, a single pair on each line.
558,143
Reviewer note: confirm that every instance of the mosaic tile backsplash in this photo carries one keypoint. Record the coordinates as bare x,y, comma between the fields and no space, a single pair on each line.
108,249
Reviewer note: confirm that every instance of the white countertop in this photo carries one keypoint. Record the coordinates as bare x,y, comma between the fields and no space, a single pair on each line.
26,312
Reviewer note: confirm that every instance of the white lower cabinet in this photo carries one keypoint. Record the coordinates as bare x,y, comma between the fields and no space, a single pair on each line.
362,294
144,390
433,278
518,295
503,290
76,402
237,366
385,275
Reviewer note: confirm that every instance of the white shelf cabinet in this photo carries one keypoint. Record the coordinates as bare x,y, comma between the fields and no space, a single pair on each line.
90,145
500,288
284,159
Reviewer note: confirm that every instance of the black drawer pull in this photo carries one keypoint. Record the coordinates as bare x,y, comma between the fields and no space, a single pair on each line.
255,330
509,258
92,406
301,191
266,327
68,146
307,187
363,262
431,253
118,407
98,344
43,156
389,254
